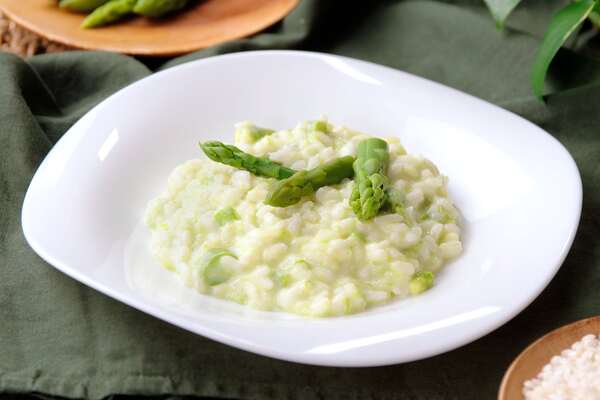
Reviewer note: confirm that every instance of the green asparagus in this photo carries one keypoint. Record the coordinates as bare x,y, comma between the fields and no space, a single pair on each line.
318,125
304,183
396,203
83,6
158,8
369,192
226,215
421,281
251,133
109,12
231,155
213,271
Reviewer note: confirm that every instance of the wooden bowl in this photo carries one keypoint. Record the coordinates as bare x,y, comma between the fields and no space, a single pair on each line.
203,24
530,362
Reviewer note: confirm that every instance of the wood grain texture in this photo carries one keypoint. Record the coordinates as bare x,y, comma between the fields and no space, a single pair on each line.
203,24
530,362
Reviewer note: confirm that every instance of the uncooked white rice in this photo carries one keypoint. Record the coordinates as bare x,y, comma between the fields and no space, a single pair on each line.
572,375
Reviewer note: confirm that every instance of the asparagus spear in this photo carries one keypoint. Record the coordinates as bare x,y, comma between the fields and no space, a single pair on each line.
231,155
81,5
109,12
369,192
158,8
304,183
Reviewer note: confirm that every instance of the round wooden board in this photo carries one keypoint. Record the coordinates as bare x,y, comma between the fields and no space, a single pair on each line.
203,24
530,362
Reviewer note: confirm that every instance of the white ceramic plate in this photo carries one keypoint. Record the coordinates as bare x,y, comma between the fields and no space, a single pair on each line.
517,187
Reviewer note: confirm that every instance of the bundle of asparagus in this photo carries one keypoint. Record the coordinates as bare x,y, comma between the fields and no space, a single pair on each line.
102,12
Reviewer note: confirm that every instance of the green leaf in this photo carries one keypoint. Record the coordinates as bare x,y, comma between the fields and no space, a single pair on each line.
562,25
595,16
500,9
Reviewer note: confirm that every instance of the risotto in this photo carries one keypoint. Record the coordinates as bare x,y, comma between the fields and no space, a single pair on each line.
316,258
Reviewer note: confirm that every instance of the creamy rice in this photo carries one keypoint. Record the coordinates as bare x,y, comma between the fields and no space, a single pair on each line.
314,258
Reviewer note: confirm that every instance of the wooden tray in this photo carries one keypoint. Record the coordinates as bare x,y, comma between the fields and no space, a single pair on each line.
203,24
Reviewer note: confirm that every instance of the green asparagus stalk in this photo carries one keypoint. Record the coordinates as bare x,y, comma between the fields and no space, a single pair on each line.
231,155
109,12
304,183
369,192
158,8
83,6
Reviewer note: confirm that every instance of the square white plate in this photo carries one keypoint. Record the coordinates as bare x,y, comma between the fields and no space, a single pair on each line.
518,189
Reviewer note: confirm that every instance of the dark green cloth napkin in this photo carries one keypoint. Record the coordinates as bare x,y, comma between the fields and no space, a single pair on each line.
58,337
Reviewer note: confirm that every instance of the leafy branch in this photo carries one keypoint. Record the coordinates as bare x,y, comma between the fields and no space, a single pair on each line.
562,25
